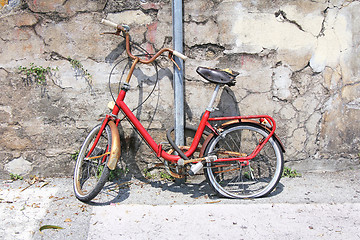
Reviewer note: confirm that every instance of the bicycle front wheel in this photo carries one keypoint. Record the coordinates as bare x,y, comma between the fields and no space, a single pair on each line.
235,179
91,172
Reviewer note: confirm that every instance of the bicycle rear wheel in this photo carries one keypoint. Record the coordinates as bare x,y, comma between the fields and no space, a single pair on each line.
234,179
91,173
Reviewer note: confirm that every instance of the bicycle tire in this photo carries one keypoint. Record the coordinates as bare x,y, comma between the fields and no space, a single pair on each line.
90,176
232,179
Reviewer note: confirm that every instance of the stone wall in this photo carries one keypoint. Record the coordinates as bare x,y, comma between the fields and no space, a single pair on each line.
297,60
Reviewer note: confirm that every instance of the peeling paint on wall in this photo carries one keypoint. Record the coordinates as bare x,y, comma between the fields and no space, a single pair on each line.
334,41
326,36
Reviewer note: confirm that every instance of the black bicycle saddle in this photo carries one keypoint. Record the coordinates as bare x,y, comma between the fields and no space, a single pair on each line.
218,76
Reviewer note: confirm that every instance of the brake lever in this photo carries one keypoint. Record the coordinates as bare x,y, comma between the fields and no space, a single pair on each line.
117,33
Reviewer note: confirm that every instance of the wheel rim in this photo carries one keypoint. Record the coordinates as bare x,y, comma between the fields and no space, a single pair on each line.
238,180
88,171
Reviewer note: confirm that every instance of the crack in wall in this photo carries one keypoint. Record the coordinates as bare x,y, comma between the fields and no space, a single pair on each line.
281,15
322,30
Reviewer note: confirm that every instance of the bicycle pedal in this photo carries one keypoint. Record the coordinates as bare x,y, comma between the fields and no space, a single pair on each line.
195,168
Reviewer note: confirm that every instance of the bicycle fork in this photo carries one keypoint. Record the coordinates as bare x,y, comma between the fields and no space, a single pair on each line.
115,150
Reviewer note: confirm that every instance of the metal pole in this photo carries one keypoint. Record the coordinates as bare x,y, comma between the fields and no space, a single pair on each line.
178,74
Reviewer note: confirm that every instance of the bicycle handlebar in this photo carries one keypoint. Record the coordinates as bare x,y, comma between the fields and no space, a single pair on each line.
125,29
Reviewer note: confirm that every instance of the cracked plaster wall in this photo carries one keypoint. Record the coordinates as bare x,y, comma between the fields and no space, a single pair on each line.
298,61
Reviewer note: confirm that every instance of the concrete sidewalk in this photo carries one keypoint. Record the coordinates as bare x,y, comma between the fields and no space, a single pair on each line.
314,206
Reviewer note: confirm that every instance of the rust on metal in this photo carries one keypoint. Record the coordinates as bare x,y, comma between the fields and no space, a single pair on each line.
115,151
95,157
238,154
132,69
230,122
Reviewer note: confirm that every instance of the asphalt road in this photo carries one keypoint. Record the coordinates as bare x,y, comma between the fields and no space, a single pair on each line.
314,206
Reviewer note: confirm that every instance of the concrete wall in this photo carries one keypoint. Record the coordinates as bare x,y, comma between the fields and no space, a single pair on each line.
298,61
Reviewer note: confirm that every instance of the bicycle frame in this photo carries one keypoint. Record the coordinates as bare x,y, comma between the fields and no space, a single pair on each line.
157,148
120,105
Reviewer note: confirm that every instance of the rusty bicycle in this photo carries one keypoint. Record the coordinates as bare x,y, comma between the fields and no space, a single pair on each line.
241,158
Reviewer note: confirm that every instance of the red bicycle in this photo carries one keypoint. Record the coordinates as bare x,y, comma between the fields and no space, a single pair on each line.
241,158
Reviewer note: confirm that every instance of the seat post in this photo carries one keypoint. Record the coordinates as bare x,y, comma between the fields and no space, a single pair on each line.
213,98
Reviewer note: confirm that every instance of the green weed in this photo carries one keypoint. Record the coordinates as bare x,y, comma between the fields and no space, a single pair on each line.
99,171
114,174
166,176
74,155
288,172
37,74
117,173
77,66
147,174
15,177
247,175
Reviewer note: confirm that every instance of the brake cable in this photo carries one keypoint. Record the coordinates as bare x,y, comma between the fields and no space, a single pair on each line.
123,72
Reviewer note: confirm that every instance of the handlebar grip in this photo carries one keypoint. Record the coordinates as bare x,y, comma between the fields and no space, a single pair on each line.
109,23
180,55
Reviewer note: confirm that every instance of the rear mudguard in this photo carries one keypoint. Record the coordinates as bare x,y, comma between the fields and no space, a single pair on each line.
210,136
115,151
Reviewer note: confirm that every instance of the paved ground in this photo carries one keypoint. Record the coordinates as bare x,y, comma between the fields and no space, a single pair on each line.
315,206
